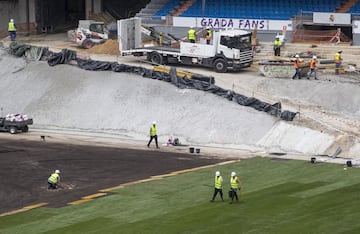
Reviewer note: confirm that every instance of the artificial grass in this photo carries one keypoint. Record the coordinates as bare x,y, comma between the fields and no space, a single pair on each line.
277,196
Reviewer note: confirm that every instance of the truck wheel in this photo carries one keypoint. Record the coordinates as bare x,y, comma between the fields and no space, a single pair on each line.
13,130
220,66
25,129
156,58
87,44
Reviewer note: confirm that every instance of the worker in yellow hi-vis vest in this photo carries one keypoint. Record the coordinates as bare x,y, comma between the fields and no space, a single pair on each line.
153,135
234,186
277,46
338,60
192,35
12,30
208,35
218,186
54,180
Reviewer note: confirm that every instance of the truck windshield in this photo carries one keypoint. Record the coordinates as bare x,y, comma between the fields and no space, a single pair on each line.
236,42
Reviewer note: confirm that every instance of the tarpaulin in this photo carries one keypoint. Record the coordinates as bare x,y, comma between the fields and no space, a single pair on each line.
20,49
180,82
63,57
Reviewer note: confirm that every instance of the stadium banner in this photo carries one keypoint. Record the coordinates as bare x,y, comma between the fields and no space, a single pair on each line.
331,18
356,27
231,23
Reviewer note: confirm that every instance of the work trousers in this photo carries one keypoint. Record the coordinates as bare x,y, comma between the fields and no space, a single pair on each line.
156,141
52,185
297,74
216,191
12,35
312,71
277,51
337,67
234,195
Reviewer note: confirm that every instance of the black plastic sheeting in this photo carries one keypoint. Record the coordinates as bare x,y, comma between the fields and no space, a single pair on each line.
20,49
66,56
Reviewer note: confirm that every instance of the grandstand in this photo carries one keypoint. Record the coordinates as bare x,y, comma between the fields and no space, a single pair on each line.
254,9
297,16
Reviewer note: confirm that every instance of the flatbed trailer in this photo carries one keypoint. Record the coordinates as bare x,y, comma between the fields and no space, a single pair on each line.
229,50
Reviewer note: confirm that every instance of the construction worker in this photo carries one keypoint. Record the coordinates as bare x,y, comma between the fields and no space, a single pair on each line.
12,30
297,67
218,186
54,180
277,46
208,35
337,61
153,135
313,62
234,186
192,35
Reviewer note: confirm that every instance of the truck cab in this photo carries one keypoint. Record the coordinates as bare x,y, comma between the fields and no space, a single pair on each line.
231,49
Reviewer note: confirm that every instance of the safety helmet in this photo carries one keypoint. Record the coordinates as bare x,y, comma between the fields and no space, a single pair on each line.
314,57
297,56
57,171
11,20
277,37
154,122
340,51
233,173
217,173
191,26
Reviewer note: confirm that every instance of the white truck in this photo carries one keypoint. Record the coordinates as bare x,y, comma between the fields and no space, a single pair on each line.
229,50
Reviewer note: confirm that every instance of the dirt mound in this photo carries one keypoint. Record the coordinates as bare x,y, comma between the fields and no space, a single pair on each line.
109,47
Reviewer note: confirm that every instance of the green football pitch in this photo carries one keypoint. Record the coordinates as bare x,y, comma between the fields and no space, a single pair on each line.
277,196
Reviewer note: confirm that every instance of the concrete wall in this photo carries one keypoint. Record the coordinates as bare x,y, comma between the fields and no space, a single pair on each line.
94,6
22,11
16,10
7,11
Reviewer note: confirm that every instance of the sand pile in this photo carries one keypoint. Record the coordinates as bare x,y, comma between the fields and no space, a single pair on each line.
109,47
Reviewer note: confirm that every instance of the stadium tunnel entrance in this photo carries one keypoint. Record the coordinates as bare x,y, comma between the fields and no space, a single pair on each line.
54,16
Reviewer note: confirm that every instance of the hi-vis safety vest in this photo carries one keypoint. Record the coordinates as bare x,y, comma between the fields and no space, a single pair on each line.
208,35
54,178
297,63
153,130
277,43
233,182
312,64
192,34
337,57
218,182
11,27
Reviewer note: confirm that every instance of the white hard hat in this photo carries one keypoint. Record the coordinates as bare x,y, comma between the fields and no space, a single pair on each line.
340,51
154,122
57,171
191,26
217,173
233,173
277,36
314,57
297,56
11,20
